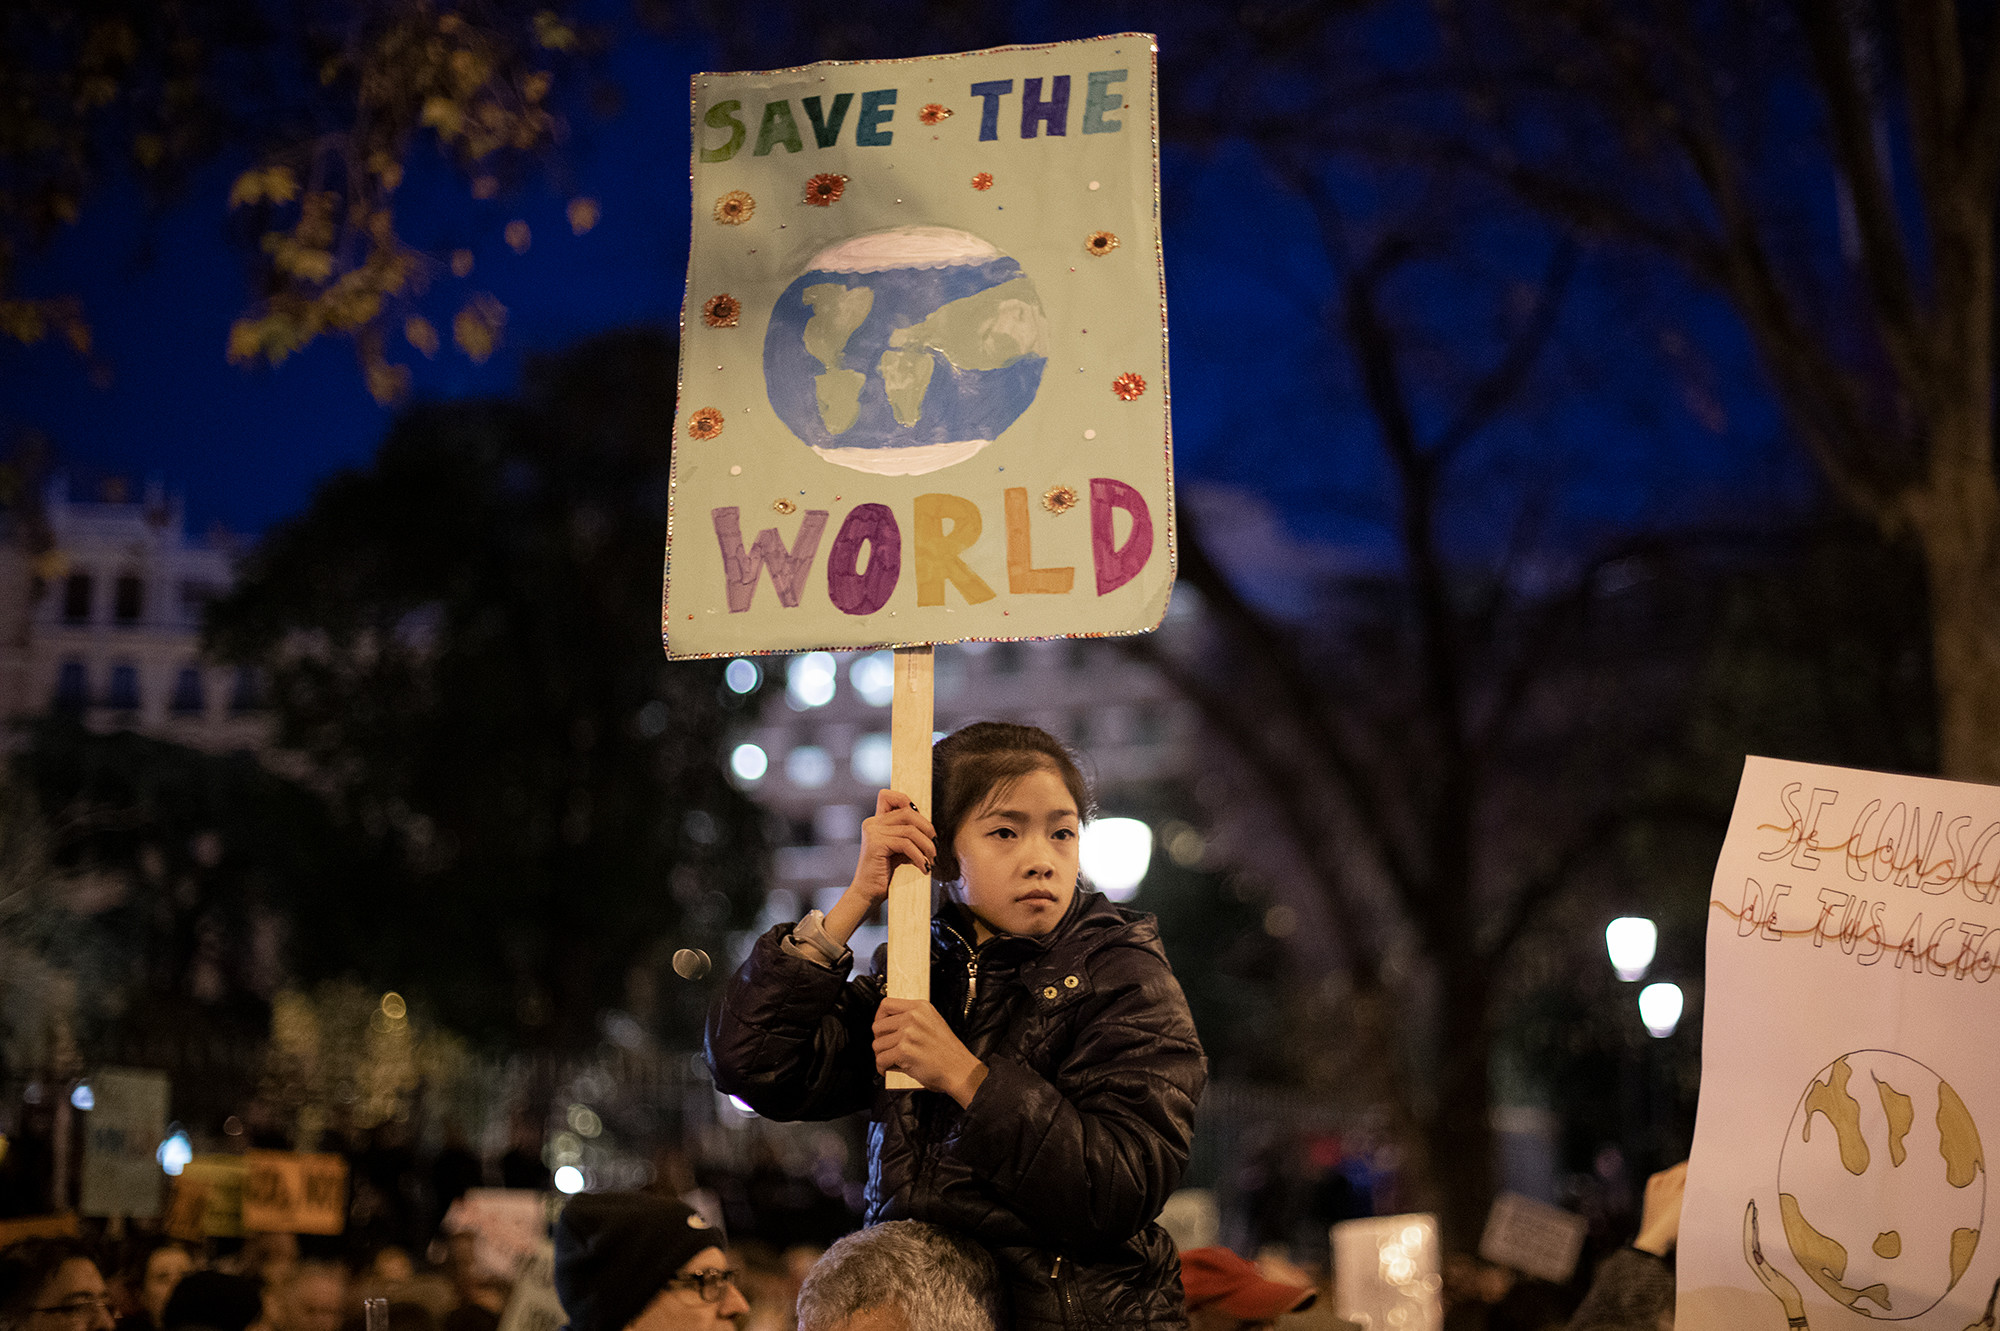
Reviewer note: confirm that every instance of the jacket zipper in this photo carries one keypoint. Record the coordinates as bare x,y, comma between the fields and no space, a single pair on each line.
971,971
1062,1293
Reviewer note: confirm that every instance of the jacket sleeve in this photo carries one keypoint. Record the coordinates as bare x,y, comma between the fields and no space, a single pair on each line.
793,1038
1632,1291
1092,1157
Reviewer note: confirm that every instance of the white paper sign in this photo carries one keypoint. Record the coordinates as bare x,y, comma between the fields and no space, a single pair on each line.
1533,1237
533,1306
1850,1073
1385,1272
121,1134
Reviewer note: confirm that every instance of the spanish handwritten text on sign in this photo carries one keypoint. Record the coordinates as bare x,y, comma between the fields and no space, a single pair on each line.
923,363
1849,1091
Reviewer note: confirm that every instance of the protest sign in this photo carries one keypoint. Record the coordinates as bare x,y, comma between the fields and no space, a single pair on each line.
60,1226
291,1192
533,1305
1533,1237
1839,1175
121,1138
923,359
1386,1272
508,1225
208,1199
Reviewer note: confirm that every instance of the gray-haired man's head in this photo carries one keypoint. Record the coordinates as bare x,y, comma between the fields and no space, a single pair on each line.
902,1276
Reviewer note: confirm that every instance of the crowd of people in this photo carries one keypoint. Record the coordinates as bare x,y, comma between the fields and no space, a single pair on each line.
647,1261
1018,1187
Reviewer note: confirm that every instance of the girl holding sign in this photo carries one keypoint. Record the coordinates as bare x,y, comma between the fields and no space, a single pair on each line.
1059,1061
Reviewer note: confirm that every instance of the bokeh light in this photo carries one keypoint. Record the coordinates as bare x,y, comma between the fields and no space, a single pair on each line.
1115,854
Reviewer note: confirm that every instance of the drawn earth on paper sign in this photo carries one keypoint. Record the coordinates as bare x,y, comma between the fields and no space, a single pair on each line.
1881,1188
901,352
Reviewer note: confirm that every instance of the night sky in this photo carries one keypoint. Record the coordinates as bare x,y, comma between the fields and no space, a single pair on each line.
1618,431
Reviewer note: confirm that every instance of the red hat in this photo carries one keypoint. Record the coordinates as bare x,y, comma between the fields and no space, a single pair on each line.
1218,1278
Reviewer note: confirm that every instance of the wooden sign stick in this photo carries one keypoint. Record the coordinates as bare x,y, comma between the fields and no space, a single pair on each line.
910,719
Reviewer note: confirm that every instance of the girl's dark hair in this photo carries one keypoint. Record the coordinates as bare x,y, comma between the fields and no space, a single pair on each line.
26,1267
972,764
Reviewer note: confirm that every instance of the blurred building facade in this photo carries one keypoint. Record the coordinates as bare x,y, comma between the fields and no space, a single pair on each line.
106,622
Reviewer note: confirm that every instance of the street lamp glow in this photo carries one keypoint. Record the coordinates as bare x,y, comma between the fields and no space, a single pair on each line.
749,763
1660,1008
83,1097
1115,853
175,1152
569,1180
1631,941
874,678
810,680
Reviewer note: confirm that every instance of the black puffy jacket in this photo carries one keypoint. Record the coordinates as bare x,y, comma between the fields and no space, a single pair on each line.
1071,1144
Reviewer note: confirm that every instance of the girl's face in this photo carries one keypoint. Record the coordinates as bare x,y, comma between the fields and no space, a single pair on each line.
1017,857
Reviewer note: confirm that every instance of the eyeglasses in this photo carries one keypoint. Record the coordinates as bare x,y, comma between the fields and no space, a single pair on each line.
709,1284
78,1310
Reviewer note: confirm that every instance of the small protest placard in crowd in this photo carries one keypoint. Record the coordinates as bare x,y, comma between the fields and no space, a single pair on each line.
1385,1272
1849,1090
121,1136
292,1192
208,1199
533,1306
508,1225
63,1226
1533,1237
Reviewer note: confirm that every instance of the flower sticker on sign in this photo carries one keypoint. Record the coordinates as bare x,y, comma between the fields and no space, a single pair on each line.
904,359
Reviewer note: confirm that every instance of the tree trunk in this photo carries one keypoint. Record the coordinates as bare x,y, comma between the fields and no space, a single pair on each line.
1459,1136
1959,528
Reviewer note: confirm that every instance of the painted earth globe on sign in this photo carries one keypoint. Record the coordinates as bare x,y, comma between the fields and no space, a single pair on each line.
1882,1184
899,352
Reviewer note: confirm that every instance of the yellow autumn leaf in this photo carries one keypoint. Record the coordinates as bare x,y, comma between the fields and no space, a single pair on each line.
388,383
474,338
280,185
245,341
441,113
552,32
536,85
22,320
461,262
518,236
485,187
148,149
422,334
477,327
583,215
249,188
304,261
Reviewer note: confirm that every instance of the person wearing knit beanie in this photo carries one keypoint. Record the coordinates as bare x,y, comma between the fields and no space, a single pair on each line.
635,1260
